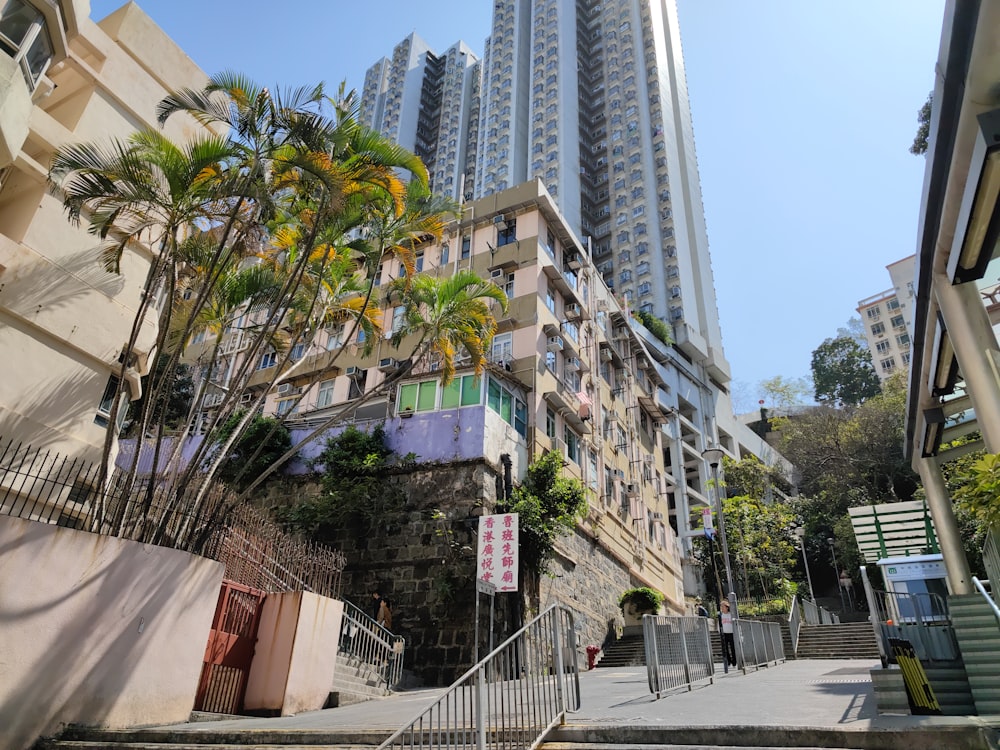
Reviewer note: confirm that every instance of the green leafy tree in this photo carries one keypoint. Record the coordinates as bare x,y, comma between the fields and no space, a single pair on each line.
843,373
358,490
262,443
548,505
920,141
655,326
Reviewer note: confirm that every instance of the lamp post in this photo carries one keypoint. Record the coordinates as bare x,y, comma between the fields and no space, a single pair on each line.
800,533
714,456
836,574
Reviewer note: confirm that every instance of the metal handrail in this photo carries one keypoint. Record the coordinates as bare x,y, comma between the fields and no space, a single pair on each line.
510,699
981,587
678,652
794,623
921,618
372,646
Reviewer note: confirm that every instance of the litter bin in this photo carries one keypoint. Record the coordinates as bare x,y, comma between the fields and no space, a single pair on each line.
592,652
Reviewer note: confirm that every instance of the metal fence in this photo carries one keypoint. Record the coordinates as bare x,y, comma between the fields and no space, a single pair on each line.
678,652
922,619
991,555
816,615
40,485
510,699
371,647
758,644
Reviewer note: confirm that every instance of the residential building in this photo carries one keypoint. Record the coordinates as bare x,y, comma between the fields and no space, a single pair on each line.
65,79
570,369
429,104
887,318
590,97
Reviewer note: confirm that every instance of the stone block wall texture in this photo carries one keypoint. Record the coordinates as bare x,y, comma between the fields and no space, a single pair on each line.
426,566
97,630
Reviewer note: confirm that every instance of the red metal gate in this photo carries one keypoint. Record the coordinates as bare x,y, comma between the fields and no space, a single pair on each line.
230,649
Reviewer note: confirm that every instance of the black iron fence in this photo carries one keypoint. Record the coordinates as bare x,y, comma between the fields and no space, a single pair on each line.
209,520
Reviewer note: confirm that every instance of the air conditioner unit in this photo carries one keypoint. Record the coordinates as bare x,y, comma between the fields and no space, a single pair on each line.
647,460
284,389
354,372
677,314
631,489
499,219
657,516
559,445
575,262
619,474
497,275
573,311
606,355
572,364
613,416
387,364
555,344
621,332
246,398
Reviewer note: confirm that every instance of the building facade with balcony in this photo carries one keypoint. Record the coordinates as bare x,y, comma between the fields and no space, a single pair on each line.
887,319
66,79
571,370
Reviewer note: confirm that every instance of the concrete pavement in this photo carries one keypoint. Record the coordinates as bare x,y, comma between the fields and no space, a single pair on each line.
806,703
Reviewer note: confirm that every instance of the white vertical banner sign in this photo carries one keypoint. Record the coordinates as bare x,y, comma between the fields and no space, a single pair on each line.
496,558
706,520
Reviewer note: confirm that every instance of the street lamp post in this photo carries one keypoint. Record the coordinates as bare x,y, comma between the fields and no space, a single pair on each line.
714,456
800,532
836,574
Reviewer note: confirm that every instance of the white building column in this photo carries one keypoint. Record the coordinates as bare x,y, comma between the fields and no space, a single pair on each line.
976,349
946,526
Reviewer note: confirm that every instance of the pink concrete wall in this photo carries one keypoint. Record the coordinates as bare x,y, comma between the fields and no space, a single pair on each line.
97,631
296,654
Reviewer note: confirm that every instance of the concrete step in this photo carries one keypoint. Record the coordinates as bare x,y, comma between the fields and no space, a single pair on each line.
81,738
647,737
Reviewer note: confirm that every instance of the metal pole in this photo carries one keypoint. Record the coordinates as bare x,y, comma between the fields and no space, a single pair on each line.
949,536
836,575
730,584
805,561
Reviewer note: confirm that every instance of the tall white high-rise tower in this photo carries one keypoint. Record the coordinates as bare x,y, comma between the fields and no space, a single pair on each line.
590,97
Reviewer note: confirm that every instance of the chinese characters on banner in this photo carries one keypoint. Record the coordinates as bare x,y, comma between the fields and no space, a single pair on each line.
496,559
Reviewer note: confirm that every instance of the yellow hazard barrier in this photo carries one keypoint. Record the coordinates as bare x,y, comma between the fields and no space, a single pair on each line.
918,690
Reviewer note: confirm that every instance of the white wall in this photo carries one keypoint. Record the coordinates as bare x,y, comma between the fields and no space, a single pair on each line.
97,630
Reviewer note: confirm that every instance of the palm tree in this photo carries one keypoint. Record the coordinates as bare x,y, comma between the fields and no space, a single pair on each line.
445,315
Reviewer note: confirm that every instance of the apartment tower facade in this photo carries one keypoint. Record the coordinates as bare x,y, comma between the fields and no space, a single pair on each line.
589,97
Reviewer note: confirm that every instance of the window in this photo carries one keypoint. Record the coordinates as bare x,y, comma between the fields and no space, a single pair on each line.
270,359
897,321
107,402
297,352
903,340
286,406
882,347
506,232
325,397
503,347
572,441
888,364
550,300
892,304
420,261
378,275
335,336
511,409
466,246
463,391
878,329
24,37
444,254
550,423
905,357
873,313
397,320
420,396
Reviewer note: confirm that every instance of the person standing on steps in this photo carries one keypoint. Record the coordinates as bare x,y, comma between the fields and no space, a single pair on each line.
726,635
701,610
384,616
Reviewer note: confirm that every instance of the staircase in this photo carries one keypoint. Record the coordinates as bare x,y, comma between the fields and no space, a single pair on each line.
849,640
978,635
627,651
355,681
79,738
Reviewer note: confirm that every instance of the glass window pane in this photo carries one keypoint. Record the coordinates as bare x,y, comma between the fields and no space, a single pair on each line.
472,387
407,397
506,406
39,54
521,418
450,394
15,20
428,392
493,396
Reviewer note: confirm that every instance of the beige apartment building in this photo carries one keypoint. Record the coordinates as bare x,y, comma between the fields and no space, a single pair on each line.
887,318
64,320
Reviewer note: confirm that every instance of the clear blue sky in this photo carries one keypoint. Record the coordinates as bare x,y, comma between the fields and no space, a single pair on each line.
803,114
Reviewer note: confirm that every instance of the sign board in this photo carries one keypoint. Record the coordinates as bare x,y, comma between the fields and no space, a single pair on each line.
496,557
485,587
706,522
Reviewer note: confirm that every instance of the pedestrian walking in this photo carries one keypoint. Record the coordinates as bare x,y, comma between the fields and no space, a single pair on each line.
726,634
